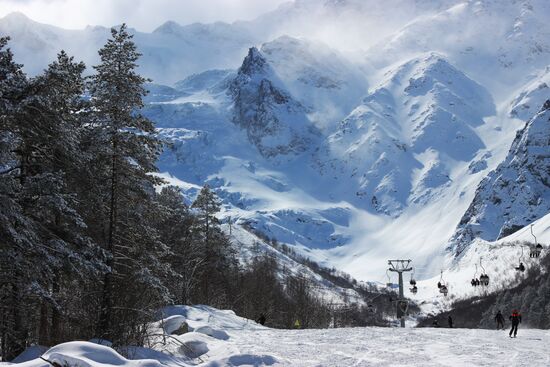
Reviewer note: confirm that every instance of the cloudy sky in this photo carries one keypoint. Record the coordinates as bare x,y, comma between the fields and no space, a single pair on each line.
145,15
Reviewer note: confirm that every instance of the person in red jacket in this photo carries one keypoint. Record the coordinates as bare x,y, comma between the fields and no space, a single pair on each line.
515,317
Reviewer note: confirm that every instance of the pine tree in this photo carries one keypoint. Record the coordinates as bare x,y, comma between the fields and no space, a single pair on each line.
175,224
60,114
17,233
126,152
218,256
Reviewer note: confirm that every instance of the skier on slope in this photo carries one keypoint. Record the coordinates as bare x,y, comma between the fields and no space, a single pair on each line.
515,317
500,320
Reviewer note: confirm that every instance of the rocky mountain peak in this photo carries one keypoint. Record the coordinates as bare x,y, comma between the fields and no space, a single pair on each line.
254,63
275,122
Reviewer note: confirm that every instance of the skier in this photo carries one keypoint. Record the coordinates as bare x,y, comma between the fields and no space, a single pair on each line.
515,317
450,320
297,324
500,320
261,319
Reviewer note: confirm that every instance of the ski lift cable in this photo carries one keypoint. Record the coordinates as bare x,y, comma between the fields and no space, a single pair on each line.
531,227
481,264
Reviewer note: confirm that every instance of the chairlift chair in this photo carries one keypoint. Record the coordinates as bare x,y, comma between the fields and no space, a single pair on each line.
414,289
389,284
521,267
442,286
484,278
412,281
536,249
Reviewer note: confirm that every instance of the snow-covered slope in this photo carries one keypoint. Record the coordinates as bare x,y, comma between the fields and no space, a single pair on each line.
517,192
322,79
220,338
498,259
400,145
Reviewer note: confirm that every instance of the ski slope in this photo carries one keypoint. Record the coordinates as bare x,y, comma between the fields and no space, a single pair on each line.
220,338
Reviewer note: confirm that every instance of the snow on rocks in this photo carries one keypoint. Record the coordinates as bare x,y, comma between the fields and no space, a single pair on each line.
86,354
516,193
274,121
532,97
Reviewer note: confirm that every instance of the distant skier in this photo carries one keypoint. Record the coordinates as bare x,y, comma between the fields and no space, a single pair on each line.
500,320
515,317
297,324
261,319
450,321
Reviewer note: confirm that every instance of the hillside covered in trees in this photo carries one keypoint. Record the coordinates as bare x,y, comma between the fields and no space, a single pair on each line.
94,243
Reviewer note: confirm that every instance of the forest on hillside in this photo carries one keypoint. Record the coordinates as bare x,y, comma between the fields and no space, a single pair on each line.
93,243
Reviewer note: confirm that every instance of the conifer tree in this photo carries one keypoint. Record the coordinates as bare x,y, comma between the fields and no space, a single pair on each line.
218,257
127,150
17,233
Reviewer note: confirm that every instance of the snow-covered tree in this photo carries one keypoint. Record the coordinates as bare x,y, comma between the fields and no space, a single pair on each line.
126,150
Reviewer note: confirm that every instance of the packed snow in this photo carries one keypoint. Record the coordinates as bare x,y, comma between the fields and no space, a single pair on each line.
220,338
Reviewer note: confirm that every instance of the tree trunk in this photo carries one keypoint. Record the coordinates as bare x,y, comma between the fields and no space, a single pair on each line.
107,296
43,337
56,316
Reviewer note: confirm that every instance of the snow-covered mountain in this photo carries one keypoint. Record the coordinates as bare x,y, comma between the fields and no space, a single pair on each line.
274,122
386,132
517,192
399,145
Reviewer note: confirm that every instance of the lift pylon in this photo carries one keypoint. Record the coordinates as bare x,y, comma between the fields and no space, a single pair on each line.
399,267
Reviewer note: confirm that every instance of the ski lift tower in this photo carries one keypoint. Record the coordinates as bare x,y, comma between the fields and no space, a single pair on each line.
400,266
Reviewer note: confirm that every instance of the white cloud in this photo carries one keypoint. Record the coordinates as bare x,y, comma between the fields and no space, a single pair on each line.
144,15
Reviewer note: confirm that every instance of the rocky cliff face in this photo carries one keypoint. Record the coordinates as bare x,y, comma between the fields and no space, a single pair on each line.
274,121
517,192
